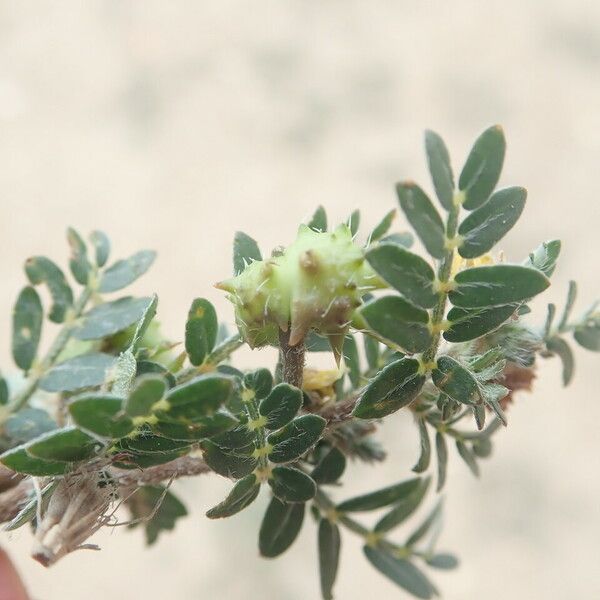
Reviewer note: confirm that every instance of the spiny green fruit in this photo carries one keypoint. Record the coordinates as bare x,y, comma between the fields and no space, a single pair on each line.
315,284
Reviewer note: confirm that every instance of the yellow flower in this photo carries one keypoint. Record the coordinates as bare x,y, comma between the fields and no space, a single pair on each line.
459,263
322,382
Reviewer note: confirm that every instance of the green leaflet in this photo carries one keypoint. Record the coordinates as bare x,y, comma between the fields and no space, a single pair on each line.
456,381
101,245
399,322
147,391
200,330
402,572
318,221
438,160
280,527
144,322
380,498
157,509
394,387
28,315
329,543
496,285
405,271
281,405
423,217
101,414
243,493
87,370
487,225
68,444
352,360
111,317
442,561
145,442
40,269
382,227
198,398
405,507
425,456
296,438
126,271
331,464
245,251
228,463
200,428
587,333
292,485
20,461
260,381
483,167
561,348
353,222
371,351
468,457
544,257
28,424
78,263
469,324
441,449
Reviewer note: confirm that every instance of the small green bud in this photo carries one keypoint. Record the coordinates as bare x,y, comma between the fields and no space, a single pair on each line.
314,284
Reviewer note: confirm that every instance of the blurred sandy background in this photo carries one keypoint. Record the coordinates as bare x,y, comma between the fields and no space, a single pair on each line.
172,124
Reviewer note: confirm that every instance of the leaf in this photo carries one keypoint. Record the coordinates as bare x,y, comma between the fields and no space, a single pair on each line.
144,322
438,160
280,527
330,466
20,461
402,572
443,561
560,347
101,245
199,397
456,381
68,444
487,225
496,285
40,269
405,271
483,167
544,257
403,509
228,463
468,324
587,334
145,442
157,508
292,485
467,455
126,271
382,227
28,315
28,424
329,543
423,217
351,359
318,221
102,414
78,262
442,459
398,321
200,330
147,391
245,251
281,405
371,351
260,381
425,456
111,317
380,498
354,222
4,392
145,367
296,438
201,428
424,528
404,239
394,387
243,493
86,370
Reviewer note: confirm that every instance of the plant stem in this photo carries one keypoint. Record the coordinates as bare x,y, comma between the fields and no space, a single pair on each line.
444,273
292,359
53,352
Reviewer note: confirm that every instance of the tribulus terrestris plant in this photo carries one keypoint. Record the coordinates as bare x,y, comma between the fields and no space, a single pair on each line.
113,412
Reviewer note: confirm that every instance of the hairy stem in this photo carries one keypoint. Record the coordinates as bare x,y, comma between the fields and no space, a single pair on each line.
292,359
444,272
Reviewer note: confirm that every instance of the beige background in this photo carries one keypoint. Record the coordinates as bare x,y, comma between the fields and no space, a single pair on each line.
172,124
